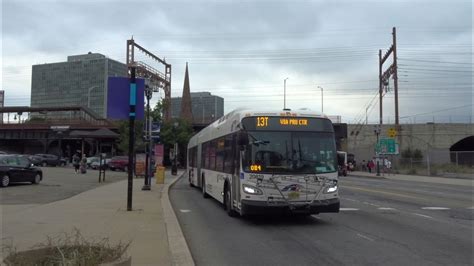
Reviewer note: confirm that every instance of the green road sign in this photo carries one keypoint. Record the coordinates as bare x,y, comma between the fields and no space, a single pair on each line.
387,146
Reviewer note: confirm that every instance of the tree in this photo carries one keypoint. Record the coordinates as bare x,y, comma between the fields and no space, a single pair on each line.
157,112
177,130
124,136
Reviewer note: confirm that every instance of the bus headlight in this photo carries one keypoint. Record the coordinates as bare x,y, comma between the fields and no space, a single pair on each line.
252,190
331,189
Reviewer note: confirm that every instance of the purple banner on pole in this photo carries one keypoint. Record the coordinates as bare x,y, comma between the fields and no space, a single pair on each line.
118,98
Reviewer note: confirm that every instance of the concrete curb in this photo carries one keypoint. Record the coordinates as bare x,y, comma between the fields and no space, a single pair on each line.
179,250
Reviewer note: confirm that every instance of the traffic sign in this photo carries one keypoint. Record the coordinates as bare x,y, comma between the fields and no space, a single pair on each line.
387,146
392,132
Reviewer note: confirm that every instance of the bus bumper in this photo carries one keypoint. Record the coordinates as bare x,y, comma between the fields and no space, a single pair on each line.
251,207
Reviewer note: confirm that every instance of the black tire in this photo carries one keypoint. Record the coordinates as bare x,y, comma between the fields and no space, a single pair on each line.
203,188
5,181
37,179
228,203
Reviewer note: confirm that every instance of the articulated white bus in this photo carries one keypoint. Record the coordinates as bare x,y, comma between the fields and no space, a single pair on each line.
257,162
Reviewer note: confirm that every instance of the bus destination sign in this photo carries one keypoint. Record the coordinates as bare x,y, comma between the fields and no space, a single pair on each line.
275,123
262,121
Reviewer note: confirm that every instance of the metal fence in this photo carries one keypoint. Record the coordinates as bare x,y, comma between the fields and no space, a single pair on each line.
435,163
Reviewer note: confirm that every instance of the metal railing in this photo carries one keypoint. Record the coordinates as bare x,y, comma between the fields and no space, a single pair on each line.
451,164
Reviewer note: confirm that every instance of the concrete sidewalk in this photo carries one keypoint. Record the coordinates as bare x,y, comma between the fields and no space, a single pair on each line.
418,178
102,213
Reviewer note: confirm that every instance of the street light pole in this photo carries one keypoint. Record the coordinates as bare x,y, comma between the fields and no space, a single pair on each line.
174,166
322,106
284,93
148,94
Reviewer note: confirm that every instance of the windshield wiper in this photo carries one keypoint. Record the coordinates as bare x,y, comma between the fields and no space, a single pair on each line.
258,142
255,141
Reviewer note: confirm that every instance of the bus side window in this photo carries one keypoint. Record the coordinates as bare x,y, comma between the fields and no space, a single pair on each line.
228,155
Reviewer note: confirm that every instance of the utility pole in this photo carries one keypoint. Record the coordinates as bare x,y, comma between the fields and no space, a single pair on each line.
380,88
395,75
392,71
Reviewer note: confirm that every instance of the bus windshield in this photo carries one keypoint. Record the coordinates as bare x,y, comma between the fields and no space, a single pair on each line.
282,152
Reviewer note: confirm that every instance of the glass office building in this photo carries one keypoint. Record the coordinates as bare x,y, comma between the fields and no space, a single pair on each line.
206,108
80,81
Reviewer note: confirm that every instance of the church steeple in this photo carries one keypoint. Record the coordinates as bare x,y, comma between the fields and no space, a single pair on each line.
186,107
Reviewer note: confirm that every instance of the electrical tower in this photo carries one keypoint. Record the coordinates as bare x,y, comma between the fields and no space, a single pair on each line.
155,78
392,71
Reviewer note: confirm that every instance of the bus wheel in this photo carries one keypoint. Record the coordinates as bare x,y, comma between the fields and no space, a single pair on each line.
203,183
228,203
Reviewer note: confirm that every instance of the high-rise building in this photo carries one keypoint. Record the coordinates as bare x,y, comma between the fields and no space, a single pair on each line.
206,107
80,81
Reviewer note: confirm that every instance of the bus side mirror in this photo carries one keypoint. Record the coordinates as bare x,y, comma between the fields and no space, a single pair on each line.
243,139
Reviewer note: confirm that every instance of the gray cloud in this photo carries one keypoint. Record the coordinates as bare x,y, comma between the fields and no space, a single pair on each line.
243,49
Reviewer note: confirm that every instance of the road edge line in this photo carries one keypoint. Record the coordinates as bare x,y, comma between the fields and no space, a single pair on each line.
177,245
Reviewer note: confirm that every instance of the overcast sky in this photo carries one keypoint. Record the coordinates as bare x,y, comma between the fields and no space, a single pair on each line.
243,50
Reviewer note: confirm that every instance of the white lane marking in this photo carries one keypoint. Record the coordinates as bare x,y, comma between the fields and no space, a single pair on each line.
371,204
350,199
387,209
348,209
185,211
422,215
365,237
435,208
470,208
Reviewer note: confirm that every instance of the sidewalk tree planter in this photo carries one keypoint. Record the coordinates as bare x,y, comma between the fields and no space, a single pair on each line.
70,249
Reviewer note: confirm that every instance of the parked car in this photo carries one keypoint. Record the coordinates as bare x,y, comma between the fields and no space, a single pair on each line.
17,168
96,164
34,159
91,160
118,163
51,160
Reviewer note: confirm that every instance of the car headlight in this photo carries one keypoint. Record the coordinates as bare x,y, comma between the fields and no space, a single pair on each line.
252,190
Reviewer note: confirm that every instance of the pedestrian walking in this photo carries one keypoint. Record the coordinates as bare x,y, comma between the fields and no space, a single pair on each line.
76,162
387,166
83,164
371,165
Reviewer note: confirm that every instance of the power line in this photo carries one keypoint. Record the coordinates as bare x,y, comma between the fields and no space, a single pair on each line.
437,111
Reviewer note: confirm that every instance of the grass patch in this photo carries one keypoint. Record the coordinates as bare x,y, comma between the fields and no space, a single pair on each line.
66,250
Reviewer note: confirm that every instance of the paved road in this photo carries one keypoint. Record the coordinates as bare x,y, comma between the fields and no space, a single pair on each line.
58,183
382,222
